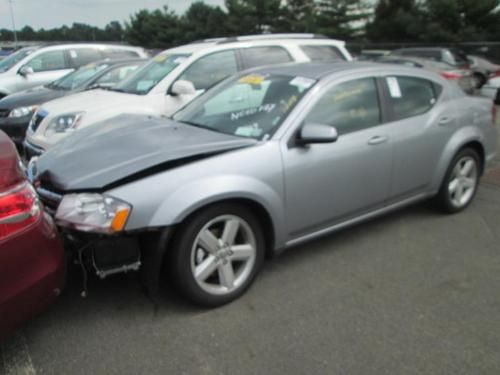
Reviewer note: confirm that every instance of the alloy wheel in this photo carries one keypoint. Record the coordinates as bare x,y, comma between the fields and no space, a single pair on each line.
223,254
463,181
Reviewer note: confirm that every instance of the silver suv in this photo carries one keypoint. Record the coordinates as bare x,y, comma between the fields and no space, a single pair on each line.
35,66
265,160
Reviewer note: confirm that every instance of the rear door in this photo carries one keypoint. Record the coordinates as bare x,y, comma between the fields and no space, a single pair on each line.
422,123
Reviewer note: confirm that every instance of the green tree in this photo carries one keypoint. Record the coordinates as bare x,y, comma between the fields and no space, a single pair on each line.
203,21
154,29
461,20
297,16
343,19
252,16
396,21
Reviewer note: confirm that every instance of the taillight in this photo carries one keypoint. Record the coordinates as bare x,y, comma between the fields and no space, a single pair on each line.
19,208
450,76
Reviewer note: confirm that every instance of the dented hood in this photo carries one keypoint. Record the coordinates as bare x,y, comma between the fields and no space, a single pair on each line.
126,148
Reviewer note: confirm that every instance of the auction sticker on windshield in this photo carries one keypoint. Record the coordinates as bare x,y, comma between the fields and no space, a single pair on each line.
252,79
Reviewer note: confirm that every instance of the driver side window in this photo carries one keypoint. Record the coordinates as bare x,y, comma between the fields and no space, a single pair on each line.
350,106
211,69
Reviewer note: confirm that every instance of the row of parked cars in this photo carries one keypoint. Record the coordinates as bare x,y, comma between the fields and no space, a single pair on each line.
210,157
473,73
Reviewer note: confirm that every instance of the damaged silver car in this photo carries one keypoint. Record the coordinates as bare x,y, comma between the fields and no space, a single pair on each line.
263,161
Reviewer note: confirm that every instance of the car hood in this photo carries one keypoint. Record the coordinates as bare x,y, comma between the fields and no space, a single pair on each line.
34,96
127,148
92,100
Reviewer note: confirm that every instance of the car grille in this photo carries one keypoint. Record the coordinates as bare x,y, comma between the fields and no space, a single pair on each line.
36,121
4,112
49,199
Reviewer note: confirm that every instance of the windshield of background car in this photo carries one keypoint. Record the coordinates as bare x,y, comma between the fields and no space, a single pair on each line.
14,58
147,77
252,106
73,80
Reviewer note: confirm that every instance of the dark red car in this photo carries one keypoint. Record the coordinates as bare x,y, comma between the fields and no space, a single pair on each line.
31,254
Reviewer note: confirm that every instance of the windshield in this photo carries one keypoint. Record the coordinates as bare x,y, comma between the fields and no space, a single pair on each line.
75,79
252,106
14,58
144,79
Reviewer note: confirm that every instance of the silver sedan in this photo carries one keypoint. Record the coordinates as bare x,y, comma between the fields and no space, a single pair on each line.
265,160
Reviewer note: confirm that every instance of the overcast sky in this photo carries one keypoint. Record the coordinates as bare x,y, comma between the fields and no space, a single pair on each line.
55,13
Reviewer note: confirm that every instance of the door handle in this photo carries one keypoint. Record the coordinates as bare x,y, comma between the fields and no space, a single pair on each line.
445,120
378,139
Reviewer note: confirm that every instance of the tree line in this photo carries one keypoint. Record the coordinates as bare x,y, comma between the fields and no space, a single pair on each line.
426,21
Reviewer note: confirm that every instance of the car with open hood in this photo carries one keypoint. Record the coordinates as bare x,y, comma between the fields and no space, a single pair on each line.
172,79
265,160
17,109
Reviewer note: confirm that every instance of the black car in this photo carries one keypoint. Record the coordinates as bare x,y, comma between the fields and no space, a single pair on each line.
16,109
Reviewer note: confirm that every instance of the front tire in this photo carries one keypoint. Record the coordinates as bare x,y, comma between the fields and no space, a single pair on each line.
217,254
460,182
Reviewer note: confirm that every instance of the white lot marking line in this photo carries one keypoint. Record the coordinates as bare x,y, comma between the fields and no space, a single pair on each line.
16,357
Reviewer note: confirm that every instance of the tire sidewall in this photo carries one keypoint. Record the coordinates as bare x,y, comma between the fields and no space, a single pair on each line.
444,196
181,254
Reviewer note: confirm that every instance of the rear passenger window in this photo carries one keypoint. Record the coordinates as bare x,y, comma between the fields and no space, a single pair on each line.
259,56
349,107
322,53
83,56
411,96
211,69
114,53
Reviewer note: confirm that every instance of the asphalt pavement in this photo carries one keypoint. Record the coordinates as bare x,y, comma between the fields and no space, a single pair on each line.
414,292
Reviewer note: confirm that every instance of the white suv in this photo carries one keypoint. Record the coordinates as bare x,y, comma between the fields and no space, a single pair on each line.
172,79
35,66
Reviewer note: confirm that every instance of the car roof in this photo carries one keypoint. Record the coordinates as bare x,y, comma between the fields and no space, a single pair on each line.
318,70
265,39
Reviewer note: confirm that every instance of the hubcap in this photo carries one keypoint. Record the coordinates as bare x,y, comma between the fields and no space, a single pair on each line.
463,181
223,254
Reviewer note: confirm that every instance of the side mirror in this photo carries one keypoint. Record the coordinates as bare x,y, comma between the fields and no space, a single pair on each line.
182,87
25,71
317,133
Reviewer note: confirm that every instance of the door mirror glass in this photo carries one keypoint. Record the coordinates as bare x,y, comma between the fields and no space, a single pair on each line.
26,71
317,133
182,87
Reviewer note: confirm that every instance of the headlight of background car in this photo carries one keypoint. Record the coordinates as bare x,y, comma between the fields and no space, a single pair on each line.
93,213
63,123
22,111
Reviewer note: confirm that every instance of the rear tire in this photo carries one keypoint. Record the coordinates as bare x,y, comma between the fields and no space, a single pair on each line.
217,254
460,182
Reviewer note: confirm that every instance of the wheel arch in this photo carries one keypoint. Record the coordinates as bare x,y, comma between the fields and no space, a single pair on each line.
465,137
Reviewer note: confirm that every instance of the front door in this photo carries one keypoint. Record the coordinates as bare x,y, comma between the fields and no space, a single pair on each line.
329,183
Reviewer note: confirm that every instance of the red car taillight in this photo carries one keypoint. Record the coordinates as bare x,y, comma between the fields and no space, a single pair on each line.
450,76
19,208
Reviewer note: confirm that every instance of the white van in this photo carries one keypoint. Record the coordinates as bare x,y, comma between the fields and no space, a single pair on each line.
35,66
172,79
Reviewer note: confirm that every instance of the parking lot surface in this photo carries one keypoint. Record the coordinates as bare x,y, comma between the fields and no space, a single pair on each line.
414,292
